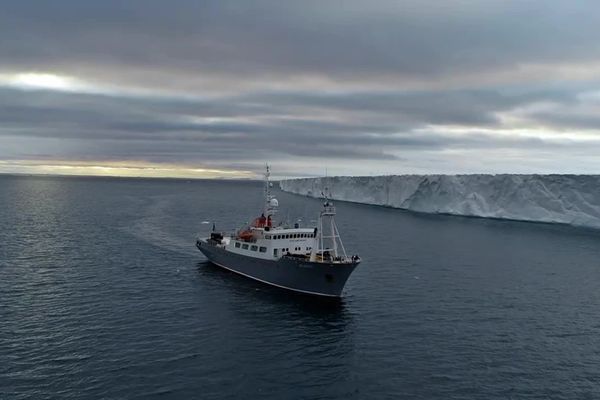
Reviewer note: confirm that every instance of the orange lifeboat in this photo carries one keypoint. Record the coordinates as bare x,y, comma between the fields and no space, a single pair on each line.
246,234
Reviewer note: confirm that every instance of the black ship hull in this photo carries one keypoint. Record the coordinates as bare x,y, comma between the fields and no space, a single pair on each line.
292,273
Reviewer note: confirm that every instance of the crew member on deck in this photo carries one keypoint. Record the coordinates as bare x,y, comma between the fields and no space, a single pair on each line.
262,221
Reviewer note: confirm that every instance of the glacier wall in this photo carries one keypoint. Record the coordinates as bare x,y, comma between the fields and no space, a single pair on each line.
568,199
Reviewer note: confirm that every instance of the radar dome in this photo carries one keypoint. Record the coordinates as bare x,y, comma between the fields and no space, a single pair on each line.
274,203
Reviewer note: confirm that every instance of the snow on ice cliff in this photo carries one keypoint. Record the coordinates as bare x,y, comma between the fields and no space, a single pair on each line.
568,199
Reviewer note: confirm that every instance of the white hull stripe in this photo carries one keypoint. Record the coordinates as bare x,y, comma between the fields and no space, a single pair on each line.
274,284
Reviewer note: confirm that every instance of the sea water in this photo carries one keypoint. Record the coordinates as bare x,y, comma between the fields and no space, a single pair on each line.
103,295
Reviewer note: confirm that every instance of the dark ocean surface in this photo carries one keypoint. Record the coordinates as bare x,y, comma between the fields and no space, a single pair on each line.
103,295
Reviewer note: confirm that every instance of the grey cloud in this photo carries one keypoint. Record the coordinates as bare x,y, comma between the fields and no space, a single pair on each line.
330,38
569,120
237,45
104,127
269,116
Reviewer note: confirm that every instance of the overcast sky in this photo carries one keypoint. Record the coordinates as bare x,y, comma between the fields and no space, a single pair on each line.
191,88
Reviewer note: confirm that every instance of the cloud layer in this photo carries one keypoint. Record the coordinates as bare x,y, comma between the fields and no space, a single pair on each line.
392,87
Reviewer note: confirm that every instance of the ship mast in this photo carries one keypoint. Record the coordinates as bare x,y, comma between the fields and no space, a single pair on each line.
328,238
271,202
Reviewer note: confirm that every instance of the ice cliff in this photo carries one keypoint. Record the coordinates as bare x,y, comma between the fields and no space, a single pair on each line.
568,199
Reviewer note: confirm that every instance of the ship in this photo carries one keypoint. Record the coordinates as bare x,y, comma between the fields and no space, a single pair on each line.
308,260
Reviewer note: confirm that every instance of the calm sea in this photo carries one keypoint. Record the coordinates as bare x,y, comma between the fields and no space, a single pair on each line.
103,295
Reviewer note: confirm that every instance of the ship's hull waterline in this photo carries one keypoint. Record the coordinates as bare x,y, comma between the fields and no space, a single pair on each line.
299,275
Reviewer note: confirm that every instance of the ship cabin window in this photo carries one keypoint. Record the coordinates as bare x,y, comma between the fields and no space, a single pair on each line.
275,252
268,237
254,248
237,244
287,236
245,246
262,249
